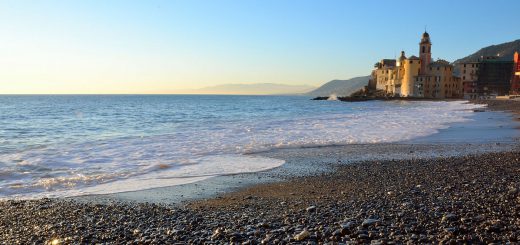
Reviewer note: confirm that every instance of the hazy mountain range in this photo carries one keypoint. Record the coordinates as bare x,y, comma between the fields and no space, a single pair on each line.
253,89
340,87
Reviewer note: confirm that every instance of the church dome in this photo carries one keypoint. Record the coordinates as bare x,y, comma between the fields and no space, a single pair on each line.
425,38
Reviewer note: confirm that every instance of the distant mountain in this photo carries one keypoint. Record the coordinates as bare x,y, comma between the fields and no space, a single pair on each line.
340,87
505,50
253,89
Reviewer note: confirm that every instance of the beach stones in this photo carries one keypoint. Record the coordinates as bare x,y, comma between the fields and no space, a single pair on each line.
476,205
368,222
311,209
302,235
449,217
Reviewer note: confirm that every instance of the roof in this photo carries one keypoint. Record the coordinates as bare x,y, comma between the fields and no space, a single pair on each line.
413,57
425,38
388,62
469,62
496,61
440,63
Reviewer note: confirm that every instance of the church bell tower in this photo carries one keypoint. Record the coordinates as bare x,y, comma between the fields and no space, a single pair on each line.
425,52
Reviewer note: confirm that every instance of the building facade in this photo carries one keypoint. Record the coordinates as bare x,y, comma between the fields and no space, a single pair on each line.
494,77
438,82
468,75
417,76
384,72
515,80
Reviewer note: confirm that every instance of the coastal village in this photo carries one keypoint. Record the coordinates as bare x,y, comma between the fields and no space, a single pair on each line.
423,77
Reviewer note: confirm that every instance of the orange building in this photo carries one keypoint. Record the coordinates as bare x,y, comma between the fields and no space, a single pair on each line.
515,80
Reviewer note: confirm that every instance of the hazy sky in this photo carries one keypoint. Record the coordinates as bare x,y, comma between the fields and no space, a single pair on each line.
168,46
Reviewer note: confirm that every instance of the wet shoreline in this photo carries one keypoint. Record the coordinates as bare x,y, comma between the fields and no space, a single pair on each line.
418,193
452,199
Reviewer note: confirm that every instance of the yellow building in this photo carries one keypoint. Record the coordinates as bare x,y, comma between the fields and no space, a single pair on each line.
411,70
417,76
438,82
384,72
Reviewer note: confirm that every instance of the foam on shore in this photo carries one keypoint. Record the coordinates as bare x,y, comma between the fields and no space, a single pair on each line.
197,153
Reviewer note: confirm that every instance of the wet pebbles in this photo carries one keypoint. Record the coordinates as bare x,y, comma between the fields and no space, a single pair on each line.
472,199
501,105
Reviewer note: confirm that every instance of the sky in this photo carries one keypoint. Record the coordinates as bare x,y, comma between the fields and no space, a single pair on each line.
125,46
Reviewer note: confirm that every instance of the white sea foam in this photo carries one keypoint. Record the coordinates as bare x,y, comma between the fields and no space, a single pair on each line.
333,97
193,154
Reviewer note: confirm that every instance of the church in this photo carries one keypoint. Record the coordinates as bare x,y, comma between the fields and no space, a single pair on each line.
418,77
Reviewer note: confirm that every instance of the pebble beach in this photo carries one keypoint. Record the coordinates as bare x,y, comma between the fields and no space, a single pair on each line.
473,199
453,200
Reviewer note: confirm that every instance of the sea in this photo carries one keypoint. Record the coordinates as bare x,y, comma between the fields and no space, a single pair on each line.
69,145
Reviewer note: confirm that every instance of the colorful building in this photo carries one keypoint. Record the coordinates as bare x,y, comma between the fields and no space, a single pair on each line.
417,76
384,72
438,82
468,75
515,80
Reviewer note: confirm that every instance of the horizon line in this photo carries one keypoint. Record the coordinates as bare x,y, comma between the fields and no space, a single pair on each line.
290,94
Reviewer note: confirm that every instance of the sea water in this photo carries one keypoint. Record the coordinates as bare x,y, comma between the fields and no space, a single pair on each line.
66,145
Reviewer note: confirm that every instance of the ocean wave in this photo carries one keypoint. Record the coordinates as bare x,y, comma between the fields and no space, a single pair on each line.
195,152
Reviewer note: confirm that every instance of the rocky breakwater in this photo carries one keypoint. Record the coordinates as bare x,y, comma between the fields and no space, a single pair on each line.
501,105
472,199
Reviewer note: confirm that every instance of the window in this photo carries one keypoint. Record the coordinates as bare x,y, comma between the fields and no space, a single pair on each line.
438,69
463,78
423,49
411,61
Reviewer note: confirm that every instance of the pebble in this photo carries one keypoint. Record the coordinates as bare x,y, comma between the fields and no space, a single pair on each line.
470,199
302,235
368,222
311,209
